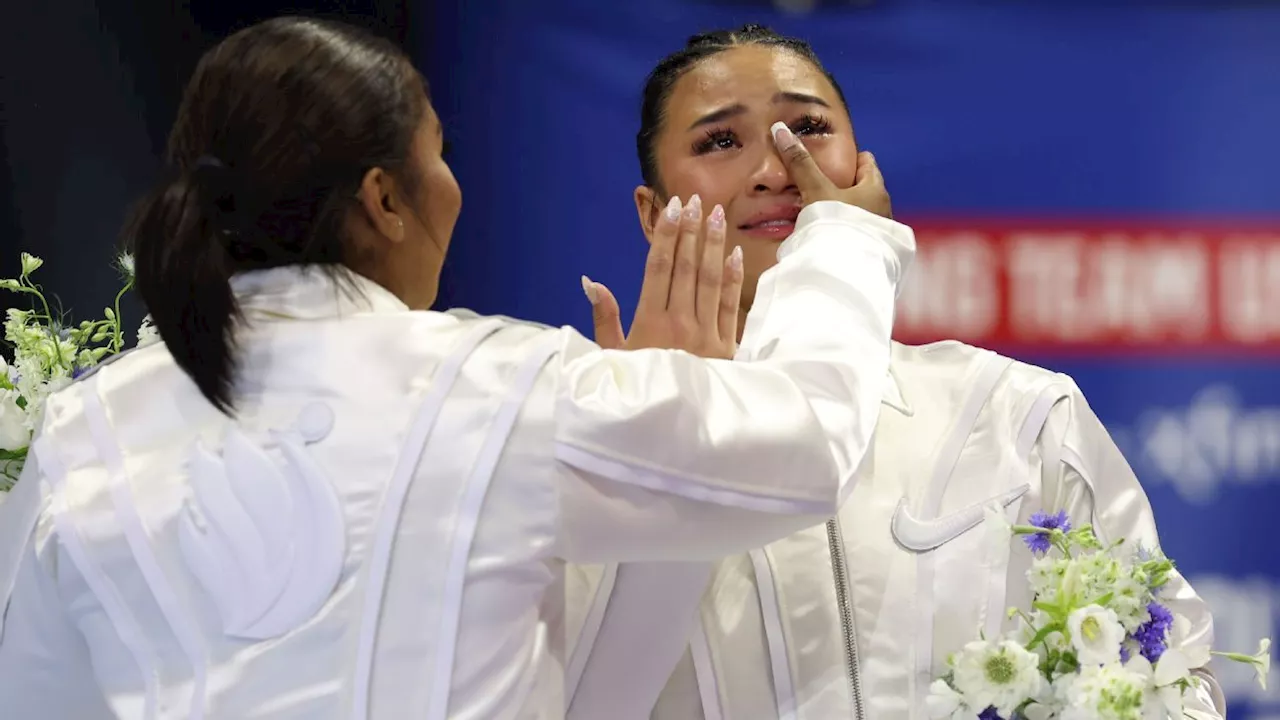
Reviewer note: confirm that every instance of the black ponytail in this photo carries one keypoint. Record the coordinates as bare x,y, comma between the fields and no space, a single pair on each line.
183,272
276,130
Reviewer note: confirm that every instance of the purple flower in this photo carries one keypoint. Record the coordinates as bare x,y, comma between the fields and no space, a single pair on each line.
1151,635
1124,653
1039,542
78,371
989,714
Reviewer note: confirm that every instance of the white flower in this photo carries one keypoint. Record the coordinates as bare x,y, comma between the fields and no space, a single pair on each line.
1000,675
1096,635
1198,654
943,703
124,261
1044,575
30,263
14,434
1164,695
147,333
1102,692
1129,598
1263,664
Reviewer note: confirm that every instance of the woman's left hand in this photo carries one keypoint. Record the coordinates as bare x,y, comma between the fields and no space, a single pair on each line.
689,300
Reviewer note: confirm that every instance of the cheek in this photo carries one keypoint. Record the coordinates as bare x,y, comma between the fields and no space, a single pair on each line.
839,161
443,196
714,183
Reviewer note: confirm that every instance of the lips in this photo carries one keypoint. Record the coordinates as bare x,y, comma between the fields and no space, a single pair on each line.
784,216
776,223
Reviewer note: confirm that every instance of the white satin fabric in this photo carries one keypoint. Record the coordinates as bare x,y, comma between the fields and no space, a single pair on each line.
383,529
963,428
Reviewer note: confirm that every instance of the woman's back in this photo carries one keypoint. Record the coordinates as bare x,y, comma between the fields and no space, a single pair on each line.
345,497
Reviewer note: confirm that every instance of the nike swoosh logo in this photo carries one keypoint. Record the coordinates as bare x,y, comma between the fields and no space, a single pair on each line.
925,535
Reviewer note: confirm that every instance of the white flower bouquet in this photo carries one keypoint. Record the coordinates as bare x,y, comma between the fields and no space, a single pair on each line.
48,353
1098,643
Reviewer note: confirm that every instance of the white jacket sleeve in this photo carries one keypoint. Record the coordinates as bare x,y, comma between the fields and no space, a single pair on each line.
44,663
1095,484
668,456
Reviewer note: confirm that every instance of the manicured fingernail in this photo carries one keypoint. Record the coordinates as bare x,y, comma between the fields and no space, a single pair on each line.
782,136
673,209
716,220
588,287
735,259
693,208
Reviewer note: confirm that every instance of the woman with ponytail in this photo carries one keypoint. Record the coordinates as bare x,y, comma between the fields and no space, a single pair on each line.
278,511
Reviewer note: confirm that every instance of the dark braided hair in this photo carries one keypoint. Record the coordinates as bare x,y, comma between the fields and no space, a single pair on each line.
657,88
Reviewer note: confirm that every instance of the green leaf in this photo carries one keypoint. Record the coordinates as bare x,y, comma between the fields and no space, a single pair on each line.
1054,611
8,455
1106,598
1043,633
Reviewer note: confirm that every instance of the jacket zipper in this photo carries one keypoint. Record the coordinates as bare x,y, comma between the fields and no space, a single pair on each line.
844,601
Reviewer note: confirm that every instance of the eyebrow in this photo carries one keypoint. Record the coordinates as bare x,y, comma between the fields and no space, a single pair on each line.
736,109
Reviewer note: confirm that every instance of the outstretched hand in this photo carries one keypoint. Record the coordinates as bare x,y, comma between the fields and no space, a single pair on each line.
689,299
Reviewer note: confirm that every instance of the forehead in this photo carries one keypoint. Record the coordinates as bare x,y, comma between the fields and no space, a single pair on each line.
750,75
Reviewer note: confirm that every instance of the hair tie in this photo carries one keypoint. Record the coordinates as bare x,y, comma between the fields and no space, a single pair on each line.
213,178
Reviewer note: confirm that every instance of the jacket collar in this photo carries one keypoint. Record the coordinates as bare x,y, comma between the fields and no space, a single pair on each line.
310,293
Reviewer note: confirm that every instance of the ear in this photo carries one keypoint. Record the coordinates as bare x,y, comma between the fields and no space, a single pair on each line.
381,204
647,209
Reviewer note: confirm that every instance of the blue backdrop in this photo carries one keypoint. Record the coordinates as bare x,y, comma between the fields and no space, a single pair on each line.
1076,110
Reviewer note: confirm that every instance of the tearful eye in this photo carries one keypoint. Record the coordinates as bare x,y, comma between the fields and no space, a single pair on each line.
811,125
715,140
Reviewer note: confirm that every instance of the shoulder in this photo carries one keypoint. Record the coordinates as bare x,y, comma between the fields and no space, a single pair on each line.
952,371
952,360
505,342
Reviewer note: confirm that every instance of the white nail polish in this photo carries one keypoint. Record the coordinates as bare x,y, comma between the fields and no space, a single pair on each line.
589,288
673,209
782,135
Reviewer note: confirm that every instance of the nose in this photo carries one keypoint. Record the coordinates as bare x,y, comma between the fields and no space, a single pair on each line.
770,175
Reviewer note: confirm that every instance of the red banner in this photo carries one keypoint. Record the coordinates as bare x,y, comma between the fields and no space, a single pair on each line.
1067,286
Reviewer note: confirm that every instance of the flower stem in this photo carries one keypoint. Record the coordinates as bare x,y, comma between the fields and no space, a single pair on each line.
117,336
